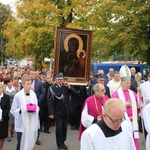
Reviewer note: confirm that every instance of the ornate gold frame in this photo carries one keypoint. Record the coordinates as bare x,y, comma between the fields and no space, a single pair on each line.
73,54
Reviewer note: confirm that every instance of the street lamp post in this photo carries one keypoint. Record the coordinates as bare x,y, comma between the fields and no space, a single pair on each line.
2,51
50,60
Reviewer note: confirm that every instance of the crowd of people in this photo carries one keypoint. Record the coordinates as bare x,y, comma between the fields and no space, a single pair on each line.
109,111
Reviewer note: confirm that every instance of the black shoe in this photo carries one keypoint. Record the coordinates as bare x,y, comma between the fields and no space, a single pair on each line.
65,147
40,130
38,142
77,128
48,132
12,133
72,128
9,139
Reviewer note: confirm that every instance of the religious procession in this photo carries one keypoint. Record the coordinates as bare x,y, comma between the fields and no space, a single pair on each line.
87,84
111,111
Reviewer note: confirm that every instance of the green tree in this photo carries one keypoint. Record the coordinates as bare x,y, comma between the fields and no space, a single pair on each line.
5,13
119,26
32,33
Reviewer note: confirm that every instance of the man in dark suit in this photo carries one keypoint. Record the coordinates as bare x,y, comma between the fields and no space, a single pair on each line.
77,101
59,108
44,107
38,88
133,72
94,80
101,79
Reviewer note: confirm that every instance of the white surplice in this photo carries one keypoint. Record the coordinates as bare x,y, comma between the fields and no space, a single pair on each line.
145,87
113,86
25,122
93,138
146,118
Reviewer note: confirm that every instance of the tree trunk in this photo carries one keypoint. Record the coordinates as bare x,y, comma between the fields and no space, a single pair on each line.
148,51
148,56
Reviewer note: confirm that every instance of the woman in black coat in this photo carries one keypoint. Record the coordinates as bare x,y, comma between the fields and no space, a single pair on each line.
5,107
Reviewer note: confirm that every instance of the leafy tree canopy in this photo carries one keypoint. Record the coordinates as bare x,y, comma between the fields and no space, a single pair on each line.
119,26
5,14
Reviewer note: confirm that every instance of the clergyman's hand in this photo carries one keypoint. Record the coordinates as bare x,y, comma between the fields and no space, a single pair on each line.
128,104
51,116
99,118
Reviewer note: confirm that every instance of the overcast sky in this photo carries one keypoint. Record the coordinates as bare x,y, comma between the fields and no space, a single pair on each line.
11,3
7,1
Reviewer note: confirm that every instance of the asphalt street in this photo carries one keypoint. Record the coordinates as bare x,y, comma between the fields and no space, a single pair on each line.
49,143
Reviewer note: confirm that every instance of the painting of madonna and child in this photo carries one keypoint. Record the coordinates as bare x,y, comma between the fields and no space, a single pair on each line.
73,54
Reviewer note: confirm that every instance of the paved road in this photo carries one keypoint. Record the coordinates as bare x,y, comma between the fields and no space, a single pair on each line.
48,141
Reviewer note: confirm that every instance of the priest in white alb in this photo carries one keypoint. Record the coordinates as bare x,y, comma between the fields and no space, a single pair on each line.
145,87
131,100
112,132
115,83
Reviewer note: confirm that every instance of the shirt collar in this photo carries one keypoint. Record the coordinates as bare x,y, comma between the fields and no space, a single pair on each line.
106,130
10,90
59,85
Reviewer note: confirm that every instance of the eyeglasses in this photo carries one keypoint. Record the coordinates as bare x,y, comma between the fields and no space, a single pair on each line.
102,90
116,121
